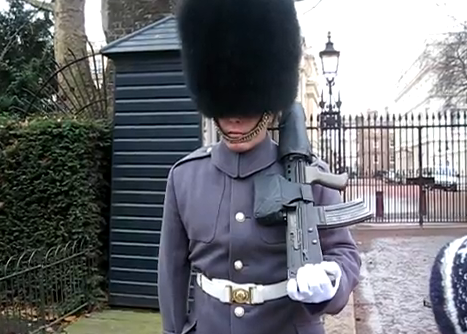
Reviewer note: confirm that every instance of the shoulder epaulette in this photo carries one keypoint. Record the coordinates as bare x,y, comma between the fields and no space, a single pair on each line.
199,153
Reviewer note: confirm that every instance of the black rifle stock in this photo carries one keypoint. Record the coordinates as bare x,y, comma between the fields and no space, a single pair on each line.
289,197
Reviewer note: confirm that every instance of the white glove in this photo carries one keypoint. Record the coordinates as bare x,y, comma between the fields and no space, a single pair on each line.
313,282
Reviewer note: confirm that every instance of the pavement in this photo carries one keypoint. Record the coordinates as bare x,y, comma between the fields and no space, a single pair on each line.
147,322
396,266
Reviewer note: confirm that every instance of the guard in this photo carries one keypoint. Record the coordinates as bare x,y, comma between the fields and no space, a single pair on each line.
241,60
448,287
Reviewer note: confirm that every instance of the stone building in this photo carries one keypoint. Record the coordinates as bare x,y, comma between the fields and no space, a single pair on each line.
375,144
308,92
441,142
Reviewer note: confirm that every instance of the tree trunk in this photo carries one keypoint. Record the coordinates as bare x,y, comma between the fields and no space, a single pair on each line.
76,86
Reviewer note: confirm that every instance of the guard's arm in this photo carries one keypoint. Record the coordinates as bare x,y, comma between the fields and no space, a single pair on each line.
338,246
173,268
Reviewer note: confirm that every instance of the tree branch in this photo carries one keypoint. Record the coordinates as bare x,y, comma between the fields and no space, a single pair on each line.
41,4
450,69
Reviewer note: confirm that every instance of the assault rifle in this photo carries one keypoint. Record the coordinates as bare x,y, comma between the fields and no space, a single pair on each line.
288,198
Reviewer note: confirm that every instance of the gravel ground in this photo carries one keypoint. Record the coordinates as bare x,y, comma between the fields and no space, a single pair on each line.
395,275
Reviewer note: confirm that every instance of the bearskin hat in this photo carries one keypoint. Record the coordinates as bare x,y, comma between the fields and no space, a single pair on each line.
448,287
240,57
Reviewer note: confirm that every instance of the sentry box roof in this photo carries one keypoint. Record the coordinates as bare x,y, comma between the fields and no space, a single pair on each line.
161,35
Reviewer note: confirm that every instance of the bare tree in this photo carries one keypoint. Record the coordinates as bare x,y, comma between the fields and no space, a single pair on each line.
448,60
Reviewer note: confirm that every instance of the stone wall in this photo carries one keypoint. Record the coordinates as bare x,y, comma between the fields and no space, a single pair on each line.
122,17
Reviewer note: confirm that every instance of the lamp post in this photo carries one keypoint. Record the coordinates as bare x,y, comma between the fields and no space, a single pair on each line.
330,117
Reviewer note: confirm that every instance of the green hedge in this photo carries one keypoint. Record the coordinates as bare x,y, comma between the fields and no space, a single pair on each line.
54,184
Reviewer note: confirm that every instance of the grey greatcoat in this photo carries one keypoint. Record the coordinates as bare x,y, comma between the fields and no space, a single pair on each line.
208,224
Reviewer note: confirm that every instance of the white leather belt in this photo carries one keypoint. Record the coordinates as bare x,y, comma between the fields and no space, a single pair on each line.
230,292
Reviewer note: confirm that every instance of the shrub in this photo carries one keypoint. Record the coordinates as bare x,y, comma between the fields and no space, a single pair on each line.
54,184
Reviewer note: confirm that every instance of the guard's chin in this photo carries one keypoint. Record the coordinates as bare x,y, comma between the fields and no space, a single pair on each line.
240,147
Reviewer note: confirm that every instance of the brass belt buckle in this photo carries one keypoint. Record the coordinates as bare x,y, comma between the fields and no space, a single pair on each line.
240,296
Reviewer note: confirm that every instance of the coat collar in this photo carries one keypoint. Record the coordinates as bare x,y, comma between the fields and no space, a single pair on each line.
241,165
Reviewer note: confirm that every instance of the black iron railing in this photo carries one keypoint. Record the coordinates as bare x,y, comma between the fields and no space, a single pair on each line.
40,288
408,168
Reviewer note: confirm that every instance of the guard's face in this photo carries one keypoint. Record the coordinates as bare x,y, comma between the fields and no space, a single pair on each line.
236,127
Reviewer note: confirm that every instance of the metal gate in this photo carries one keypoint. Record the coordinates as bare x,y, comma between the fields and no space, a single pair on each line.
409,168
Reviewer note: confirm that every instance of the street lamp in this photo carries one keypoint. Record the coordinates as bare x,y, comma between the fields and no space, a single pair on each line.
330,118
330,62
329,59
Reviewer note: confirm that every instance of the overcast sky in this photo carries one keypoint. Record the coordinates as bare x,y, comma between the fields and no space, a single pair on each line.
378,39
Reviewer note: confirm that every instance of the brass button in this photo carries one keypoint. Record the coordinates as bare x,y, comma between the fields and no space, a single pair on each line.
240,217
239,312
238,265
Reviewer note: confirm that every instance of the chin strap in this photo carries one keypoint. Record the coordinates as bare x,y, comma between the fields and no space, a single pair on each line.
262,123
